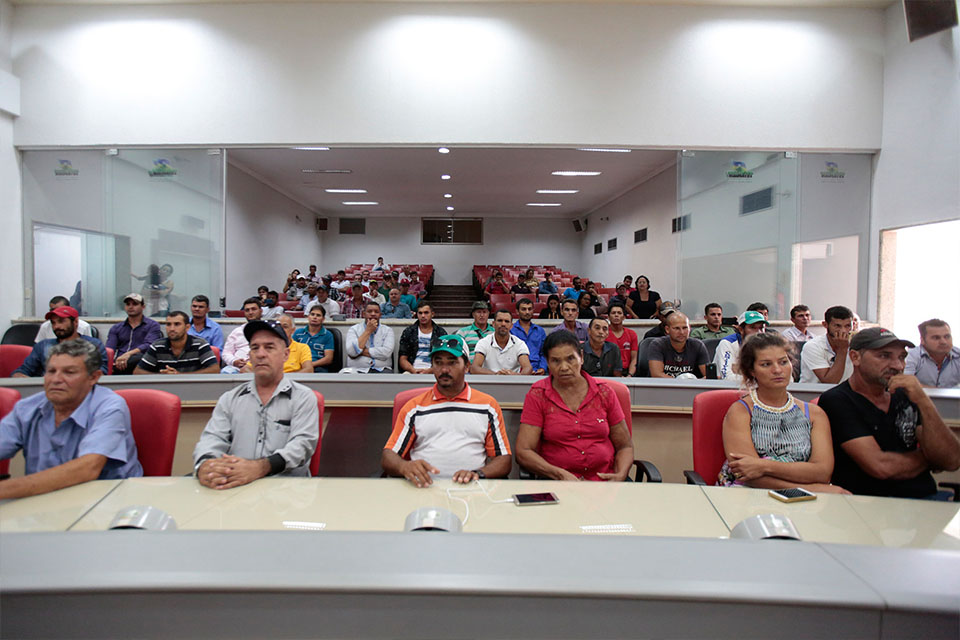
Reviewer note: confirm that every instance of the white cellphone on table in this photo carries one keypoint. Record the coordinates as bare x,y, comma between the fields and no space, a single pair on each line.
528,499
795,494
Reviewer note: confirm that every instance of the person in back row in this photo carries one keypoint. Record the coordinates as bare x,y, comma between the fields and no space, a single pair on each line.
714,328
393,308
643,302
131,338
826,358
887,433
480,311
800,317
46,329
179,352
267,426
502,352
64,323
547,286
416,341
936,362
201,325
750,323
532,335
317,338
322,298
73,432
677,353
552,310
771,440
452,430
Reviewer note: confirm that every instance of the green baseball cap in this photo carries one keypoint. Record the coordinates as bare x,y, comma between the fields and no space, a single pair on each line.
751,317
451,344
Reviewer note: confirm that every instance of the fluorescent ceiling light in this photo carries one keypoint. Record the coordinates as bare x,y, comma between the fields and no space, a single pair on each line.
359,204
449,208
443,150
448,195
606,150
445,176
544,204
345,190
311,148
558,191
569,174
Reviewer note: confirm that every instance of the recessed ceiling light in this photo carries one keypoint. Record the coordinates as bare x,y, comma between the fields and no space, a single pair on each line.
449,208
443,150
568,174
544,204
345,190
558,190
445,176
360,204
448,195
606,150
311,148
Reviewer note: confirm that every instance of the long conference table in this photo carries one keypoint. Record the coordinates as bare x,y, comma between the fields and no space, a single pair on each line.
328,557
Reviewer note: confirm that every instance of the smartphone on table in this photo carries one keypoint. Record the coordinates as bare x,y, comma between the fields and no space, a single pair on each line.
795,494
529,499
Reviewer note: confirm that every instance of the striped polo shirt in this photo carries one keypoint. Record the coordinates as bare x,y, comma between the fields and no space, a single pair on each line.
196,355
450,433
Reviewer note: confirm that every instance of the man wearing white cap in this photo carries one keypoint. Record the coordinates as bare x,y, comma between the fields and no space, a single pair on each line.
131,338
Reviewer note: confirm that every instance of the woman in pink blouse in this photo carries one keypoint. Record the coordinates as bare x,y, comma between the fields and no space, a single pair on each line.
572,426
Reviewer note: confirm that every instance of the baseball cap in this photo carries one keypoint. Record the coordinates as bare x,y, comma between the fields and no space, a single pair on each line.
479,304
751,317
876,338
62,312
264,325
666,308
136,297
453,345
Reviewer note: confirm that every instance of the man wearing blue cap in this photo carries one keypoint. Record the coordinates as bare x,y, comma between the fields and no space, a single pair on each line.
267,426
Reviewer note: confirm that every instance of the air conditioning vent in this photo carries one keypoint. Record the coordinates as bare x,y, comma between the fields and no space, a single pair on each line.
756,201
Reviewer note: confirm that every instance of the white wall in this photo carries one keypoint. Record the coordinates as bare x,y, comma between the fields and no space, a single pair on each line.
456,72
653,205
917,173
505,241
11,242
267,235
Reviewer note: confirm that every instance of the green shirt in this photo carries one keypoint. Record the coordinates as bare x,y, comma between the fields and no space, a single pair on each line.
704,333
472,335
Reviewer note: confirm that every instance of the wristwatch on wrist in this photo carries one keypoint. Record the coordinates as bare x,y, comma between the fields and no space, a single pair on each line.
480,474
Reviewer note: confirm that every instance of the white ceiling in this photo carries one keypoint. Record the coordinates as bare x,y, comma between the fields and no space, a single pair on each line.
484,181
862,4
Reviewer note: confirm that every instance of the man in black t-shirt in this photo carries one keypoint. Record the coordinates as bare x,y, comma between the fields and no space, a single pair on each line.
677,353
887,434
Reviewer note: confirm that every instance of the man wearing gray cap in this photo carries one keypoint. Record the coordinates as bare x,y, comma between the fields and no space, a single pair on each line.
480,311
265,427
887,434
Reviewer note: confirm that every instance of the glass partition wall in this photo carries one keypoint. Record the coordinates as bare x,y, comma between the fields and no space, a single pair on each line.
772,227
100,224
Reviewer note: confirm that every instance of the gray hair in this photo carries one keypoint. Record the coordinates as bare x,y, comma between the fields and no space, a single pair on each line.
78,348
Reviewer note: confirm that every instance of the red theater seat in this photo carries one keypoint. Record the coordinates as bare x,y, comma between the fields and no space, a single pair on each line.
315,458
8,398
11,357
155,418
709,409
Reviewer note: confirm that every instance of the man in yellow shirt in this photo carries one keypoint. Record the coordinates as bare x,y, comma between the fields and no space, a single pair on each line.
300,359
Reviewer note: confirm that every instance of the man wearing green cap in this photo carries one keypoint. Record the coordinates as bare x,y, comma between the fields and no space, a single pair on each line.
451,430
728,350
887,434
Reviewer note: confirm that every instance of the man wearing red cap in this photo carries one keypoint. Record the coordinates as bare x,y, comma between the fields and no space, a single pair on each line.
64,323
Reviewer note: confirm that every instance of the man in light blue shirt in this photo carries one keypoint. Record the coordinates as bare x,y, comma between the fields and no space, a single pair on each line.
202,326
573,293
548,285
394,308
318,338
936,362
370,344
75,431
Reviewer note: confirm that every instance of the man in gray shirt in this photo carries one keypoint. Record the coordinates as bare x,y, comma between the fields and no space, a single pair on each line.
265,427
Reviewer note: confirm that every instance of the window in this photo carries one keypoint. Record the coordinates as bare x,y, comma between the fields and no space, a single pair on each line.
681,224
353,226
611,244
640,235
756,201
452,231
598,248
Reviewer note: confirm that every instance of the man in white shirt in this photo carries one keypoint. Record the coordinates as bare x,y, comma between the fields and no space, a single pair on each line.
236,350
501,352
826,358
323,299
369,344
341,283
728,350
46,329
800,317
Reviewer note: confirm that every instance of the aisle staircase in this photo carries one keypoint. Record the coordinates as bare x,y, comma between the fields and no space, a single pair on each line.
452,301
